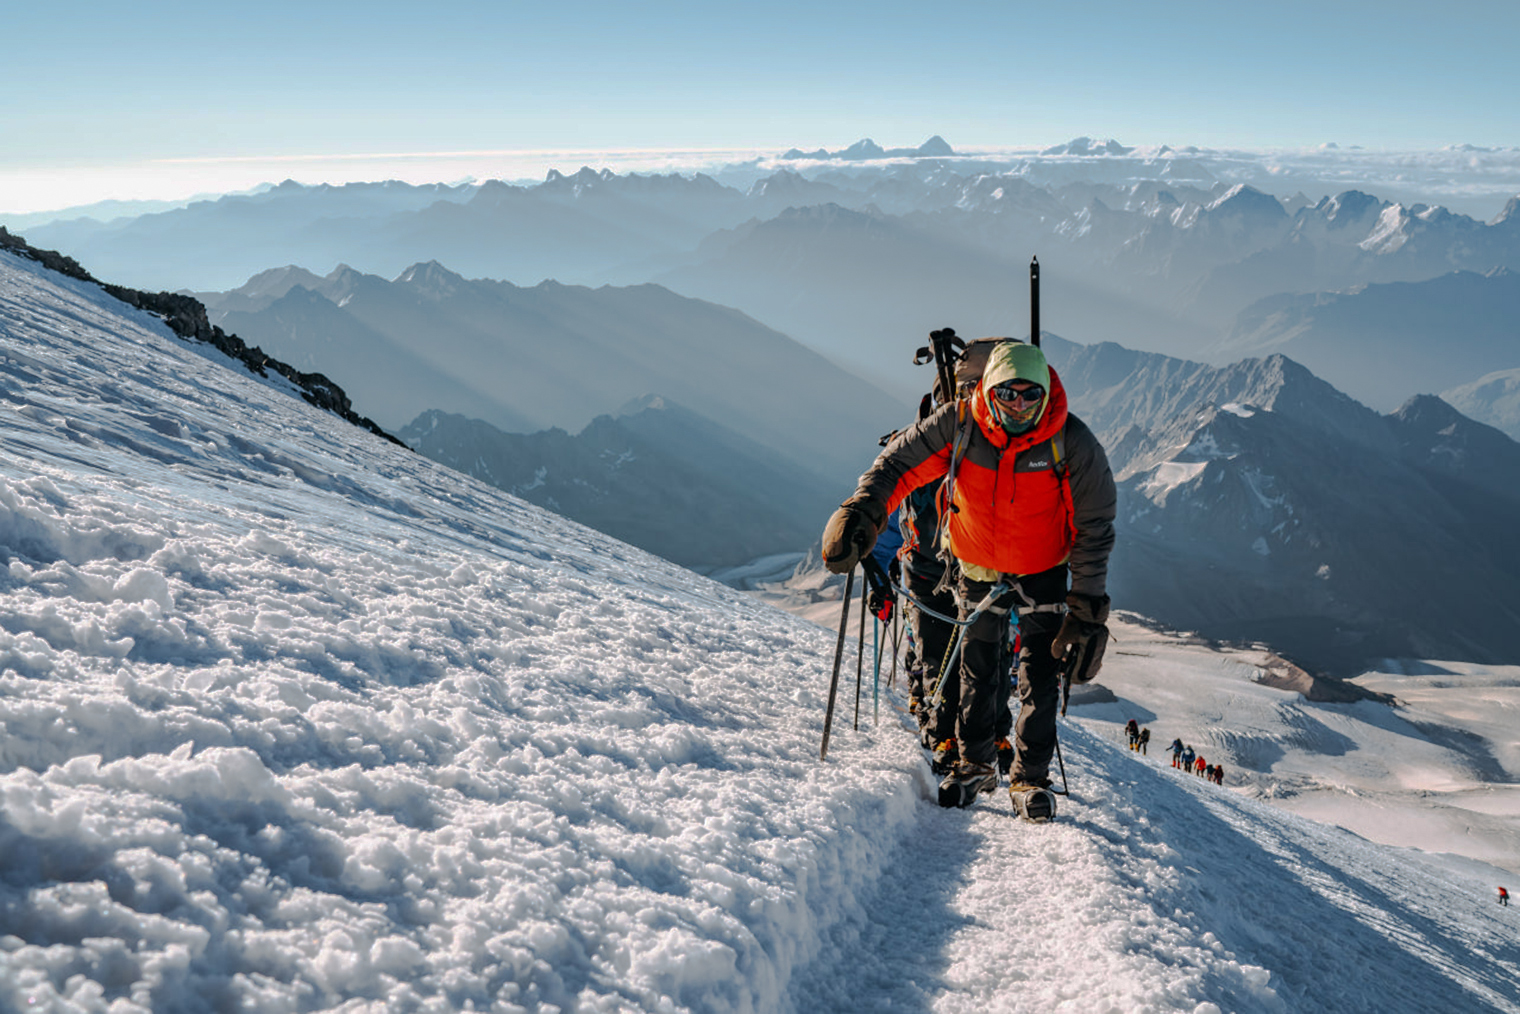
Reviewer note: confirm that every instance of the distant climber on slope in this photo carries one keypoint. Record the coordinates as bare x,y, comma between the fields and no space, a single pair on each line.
1176,749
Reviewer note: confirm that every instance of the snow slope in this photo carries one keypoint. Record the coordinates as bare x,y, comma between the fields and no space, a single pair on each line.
294,720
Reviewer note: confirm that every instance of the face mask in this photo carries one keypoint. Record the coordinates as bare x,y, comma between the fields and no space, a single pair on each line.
1018,417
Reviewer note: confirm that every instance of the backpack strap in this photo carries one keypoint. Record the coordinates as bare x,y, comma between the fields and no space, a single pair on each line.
947,498
957,451
1063,472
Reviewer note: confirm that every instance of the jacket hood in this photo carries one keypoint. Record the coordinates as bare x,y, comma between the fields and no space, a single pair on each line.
1051,420
1013,360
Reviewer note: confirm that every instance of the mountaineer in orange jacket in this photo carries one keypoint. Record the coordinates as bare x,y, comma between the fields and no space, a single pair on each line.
1031,502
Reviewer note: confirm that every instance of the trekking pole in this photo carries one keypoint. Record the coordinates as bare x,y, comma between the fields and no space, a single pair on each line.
844,619
1034,301
860,648
1065,787
877,585
1065,678
944,360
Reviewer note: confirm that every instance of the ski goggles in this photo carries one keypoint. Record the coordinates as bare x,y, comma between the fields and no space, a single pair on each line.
1011,396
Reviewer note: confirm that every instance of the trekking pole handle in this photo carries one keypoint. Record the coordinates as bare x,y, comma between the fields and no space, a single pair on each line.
944,361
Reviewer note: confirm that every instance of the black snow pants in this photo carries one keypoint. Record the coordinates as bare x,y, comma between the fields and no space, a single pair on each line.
931,640
1039,601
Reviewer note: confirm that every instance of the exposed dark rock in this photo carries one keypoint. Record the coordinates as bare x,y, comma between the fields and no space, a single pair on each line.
1280,674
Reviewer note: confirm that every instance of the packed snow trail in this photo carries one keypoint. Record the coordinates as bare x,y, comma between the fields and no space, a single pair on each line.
1155,890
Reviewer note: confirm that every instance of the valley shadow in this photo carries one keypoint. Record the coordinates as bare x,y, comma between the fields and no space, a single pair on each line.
1412,667
1475,750
1485,766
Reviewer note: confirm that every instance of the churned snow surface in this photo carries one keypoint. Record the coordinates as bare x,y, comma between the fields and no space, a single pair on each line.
295,720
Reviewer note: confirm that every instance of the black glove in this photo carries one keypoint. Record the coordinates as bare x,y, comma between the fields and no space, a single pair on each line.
850,534
1084,635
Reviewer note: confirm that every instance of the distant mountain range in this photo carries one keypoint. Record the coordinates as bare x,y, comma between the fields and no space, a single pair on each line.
1258,500
1162,269
1493,399
1088,146
527,359
867,149
867,250
656,476
1380,342
1158,252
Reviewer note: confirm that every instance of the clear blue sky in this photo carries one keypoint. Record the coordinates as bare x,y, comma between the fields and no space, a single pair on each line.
108,84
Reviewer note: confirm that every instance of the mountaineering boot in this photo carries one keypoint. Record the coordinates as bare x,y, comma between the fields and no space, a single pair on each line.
966,782
1032,801
944,755
915,705
1005,755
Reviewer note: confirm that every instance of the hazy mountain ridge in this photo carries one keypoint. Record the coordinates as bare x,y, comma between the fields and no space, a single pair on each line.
1373,341
658,477
1151,270
867,149
1493,398
1159,249
1115,389
394,379
558,356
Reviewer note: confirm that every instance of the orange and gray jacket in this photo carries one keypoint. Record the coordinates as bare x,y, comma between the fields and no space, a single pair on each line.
1020,504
